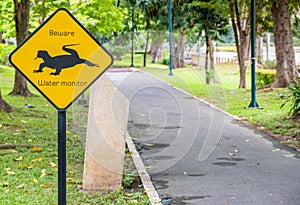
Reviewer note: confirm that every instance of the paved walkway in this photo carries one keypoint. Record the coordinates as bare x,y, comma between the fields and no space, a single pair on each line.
196,154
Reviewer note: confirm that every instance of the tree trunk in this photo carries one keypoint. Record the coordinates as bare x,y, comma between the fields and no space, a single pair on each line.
156,47
156,52
259,32
268,45
207,77
4,105
259,43
146,50
211,60
21,17
179,50
242,41
286,67
1,39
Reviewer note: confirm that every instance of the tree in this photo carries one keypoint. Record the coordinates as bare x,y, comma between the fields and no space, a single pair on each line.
21,17
4,105
206,18
180,18
286,67
157,43
239,14
150,9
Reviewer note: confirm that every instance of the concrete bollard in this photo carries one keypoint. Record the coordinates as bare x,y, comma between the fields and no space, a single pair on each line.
105,140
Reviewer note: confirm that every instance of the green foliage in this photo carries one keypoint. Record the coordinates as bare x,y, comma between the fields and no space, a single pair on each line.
270,64
119,46
209,75
208,17
4,52
296,41
7,25
100,17
265,77
128,179
294,98
39,10
166,61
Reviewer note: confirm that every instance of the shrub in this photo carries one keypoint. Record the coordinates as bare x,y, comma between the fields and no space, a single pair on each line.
296,41
265,77
270,64
294,98
166,61
4,52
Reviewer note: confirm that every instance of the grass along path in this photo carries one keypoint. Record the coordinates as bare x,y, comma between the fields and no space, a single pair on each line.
226,95
28,150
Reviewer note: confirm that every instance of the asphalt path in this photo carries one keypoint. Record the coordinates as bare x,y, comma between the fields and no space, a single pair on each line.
198,154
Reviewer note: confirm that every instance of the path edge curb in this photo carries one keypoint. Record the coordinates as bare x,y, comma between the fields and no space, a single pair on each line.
144,176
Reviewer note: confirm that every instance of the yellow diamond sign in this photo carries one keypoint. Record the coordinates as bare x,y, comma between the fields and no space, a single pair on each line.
61,59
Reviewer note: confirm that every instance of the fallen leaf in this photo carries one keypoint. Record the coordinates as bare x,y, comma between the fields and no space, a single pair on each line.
288,155
37,159
19,158
20,186
148,145
43,173
10,172
36,149
46,185
231,154
52,164
22,166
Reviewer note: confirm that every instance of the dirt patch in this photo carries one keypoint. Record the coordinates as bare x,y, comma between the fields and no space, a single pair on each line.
292,141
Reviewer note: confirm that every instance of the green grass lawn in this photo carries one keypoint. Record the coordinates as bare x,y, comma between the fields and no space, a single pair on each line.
226,95
28,173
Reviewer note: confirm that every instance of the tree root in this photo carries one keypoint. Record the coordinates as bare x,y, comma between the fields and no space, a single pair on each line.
14,146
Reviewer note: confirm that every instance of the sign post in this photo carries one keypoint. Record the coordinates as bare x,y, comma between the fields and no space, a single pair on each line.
61,59
62,160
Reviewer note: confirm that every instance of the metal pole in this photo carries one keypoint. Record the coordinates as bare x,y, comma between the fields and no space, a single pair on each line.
170,34
132,37
62,199
253,103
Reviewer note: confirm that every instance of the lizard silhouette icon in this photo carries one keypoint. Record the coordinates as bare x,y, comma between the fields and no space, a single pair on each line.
62,61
